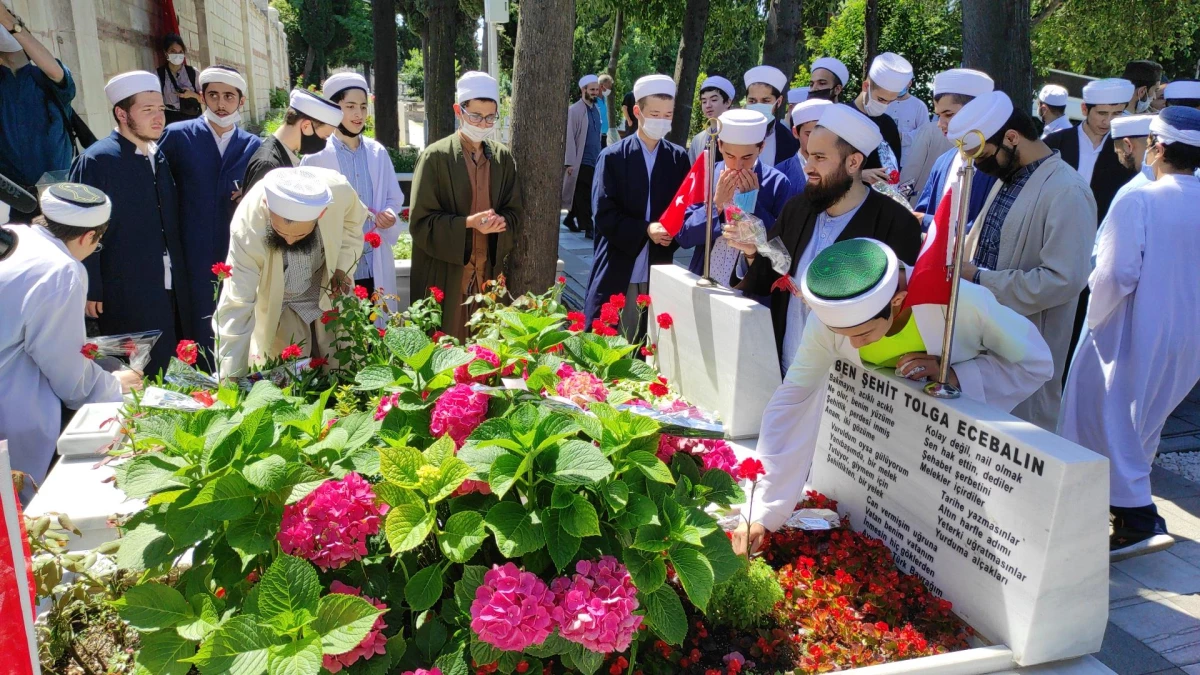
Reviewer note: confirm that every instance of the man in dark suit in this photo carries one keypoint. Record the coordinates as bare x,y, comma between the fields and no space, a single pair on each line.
635,182
835,205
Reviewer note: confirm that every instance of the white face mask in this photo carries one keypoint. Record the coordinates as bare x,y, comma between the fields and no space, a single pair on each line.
872,107
1142,106
476,134
225,122
766,109
655,128
176,59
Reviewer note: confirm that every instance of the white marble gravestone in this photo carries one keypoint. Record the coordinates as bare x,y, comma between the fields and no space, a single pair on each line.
720,352
1005,520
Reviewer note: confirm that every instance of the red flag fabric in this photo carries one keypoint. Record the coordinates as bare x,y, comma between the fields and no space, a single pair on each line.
691,191
929,283
168,20
17,610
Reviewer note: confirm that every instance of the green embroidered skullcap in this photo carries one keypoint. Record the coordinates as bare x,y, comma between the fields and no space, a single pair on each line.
850,282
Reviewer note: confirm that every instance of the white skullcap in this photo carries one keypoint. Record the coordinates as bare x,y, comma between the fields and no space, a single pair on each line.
222,75
587,80
76,205
125,85
843,265
809,111
851,126
340,82
743,127
1177,124
986,114
649,85
296,194
8,43
1108,91
766,75
718,82
797,95
891,71
316,107
834,66
1130,125
1182,89
963,81
1054,95
477,84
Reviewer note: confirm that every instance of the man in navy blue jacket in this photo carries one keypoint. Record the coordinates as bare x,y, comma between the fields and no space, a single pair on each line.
635,182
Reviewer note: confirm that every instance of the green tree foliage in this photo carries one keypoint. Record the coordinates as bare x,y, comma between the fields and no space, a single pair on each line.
357,45
412,73
1098,38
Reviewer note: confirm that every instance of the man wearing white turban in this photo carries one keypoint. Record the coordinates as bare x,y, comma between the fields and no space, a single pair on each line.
583,149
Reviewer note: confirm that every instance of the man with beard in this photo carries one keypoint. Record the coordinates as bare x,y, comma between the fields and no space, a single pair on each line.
583,149
804,118
132,283
716,96
1130,135
834,206
293,244
309,121
208,157
827,80
368,167
1030,242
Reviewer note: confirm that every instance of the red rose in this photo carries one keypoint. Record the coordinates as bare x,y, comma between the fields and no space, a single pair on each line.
894,177
187,351
617,300
222,270
291,352
437,293
643,301
404,214
327,316
203,397
665,321
610,314
750,469
659,389
361,293
90,350
373,239
313,364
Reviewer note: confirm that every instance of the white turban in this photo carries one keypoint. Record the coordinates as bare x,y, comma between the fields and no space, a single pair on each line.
743,127
588,80
1054,95
296,194
1182,89
340,82
315,107
222,75
834,66
650,85
477,84
718,82
851,126
1177,124
962,81
986,114
809,111
797,95
1131,125
125,85
76,205
1109,91
891,71
766,75
846,266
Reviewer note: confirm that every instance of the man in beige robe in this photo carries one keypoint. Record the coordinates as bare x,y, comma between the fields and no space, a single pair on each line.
1032,241
293,244
929,143
579,161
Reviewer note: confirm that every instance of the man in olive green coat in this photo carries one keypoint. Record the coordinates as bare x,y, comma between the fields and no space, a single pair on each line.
466,200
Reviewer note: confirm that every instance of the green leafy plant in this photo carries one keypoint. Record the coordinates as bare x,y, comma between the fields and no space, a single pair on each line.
747,599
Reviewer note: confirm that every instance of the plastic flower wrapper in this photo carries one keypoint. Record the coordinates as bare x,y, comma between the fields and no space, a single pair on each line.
893,191
165,399
743,228
281,376
181,374
679,419
131,349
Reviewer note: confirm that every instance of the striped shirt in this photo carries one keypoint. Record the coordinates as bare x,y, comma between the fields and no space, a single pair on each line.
302,280
353,165
988,255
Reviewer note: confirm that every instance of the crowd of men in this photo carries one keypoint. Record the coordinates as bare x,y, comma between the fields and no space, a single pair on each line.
288,222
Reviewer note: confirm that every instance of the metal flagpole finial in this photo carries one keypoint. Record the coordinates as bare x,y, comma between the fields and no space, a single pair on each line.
942,388
710,163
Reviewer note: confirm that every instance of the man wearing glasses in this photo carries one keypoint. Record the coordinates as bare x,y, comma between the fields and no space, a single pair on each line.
466,201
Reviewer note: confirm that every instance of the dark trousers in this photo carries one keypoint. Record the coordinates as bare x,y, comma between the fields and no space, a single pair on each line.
581,203
1141,518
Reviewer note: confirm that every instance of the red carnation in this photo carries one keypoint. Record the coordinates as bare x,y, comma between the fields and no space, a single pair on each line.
578,321
382,331
437,293
90,350
643,301
894,177
610,314
329,315
404,214
659,389
291,352
599,328
665,321
373,239
649,350
750,469
562,280
222,270
617,300
361,293
203,397
187,351
313,364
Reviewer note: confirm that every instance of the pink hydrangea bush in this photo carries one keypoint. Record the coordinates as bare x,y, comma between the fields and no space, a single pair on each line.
385,406
422,671
457,412
330,526
462,373
375,644
512,609
580,386
713,453
595,606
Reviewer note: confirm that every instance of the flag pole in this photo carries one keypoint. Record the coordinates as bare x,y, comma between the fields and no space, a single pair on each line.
710,163
942,387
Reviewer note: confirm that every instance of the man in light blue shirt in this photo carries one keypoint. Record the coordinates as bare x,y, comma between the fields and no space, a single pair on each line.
606,86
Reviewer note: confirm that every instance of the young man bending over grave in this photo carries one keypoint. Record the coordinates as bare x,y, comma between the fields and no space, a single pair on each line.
858,291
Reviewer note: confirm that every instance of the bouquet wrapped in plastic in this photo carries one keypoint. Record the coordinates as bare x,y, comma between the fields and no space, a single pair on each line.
743,228
679,419
892,187
130,350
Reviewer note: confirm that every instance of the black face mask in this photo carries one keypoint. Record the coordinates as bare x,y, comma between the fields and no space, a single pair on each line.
992,167
277,243
352,134
310,145
824,94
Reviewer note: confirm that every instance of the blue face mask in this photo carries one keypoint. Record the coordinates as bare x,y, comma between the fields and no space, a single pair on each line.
903,93
746,201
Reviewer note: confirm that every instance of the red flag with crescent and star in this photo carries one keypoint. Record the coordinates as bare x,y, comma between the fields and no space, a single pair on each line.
691,191
929,282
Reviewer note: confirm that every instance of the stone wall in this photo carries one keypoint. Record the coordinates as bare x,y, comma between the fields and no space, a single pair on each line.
97,39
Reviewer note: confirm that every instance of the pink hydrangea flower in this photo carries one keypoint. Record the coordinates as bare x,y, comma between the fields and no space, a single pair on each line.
595,607
463,376
422,671
330,526
385,406
375,644
713,453
457,412
512,609
580,386
468,486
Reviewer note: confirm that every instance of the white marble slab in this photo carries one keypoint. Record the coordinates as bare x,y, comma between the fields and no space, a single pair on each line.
76,487
720,352
91,431
1005,520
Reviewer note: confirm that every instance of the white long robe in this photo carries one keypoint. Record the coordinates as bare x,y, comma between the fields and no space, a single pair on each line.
1140,353
998,356
42,294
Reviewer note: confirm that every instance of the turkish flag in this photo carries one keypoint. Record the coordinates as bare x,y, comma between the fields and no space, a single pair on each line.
929,282
691,191
17,609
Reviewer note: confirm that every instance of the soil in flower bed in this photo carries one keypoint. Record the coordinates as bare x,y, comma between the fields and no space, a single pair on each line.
846,605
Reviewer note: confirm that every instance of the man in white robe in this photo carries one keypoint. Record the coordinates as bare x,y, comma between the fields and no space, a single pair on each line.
857,290
1137,358
1052,109
43,289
